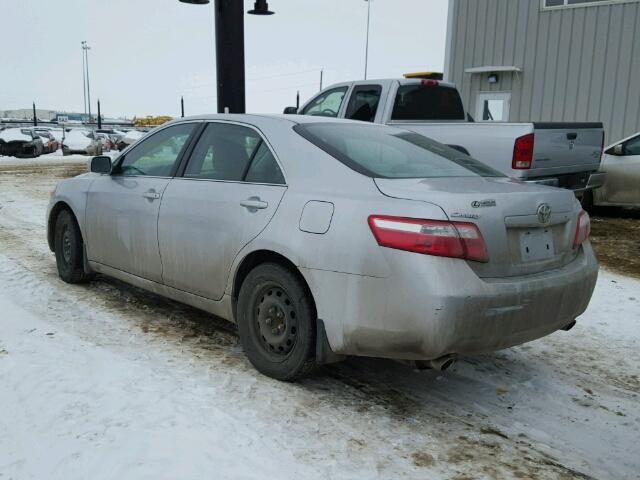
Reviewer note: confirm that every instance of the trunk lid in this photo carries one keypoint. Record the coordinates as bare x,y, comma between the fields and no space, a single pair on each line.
506,212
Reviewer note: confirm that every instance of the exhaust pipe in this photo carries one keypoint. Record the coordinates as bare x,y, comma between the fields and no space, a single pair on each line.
443,363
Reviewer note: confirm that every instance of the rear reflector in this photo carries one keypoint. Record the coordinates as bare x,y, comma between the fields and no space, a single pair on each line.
583,229
430,237
523,152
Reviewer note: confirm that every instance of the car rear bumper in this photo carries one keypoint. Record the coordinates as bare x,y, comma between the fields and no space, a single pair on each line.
430,307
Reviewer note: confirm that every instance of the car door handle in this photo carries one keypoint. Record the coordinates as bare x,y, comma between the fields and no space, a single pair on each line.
151,195
254,203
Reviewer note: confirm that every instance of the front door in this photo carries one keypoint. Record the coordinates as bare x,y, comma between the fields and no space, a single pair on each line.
230,190
622,185
122,208
493,107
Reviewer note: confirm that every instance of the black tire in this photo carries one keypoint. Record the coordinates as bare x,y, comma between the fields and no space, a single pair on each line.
587,200
68,247
277,322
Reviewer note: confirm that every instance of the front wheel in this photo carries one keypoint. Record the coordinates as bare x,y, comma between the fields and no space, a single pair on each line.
68,248
276,322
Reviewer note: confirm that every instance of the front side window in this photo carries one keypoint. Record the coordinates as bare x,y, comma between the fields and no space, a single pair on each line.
326,104
233,153
157,155
385,152
364,102
632,147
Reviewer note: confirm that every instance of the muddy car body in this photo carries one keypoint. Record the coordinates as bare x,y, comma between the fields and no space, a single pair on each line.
323,238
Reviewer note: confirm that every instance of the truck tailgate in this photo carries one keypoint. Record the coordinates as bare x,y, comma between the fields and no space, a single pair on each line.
562,148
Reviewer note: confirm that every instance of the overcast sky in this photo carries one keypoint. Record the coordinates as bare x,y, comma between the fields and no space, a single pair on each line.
146,53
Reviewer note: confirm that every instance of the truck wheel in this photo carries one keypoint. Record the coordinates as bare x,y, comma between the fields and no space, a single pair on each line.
68,247
587,201
276,322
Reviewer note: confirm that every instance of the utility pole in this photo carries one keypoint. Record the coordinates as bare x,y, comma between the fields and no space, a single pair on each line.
86,54
366,51
229,26
99,117
298,100
321,74
182,106
35,117
84,80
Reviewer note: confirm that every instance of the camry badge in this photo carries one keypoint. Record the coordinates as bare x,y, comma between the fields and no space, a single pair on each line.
544,213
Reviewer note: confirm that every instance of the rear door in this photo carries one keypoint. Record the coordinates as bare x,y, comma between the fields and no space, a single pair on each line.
122,208
229,191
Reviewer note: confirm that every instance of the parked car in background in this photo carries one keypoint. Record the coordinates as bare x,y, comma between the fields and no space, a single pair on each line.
20,142
49,142
323,238
81,142
621,163
129,138
558,154
107,144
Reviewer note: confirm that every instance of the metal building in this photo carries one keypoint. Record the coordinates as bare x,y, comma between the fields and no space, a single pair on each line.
547,60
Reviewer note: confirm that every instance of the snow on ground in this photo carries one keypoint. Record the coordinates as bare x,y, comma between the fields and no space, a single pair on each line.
107,381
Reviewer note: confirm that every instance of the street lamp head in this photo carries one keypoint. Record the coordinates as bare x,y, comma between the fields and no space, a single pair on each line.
196,2
260,7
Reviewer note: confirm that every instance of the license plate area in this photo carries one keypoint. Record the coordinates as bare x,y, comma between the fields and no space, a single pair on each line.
536,244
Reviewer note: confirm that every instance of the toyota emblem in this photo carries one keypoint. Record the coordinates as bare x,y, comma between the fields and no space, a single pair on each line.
544,213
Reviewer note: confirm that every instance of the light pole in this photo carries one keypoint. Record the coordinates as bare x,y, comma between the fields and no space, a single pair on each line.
84,79
366,51
86,49
229,21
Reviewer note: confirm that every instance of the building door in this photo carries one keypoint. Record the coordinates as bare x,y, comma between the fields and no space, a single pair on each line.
493,107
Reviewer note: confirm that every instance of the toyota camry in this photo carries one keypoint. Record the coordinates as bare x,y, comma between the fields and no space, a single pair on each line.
324,238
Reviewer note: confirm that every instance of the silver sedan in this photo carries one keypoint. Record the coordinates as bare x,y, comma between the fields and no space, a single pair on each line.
322,238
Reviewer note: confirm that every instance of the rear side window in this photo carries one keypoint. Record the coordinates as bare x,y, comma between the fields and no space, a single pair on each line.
327,104
364,102
418,102
386,152
264,168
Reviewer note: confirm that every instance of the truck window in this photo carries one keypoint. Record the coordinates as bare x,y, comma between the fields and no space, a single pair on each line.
418,102
326,104
364,102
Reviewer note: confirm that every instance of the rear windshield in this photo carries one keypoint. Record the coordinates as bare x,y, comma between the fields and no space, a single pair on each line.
417,102
386,152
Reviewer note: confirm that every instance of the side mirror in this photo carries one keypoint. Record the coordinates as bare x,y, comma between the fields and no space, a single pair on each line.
618,149
291,111
101,164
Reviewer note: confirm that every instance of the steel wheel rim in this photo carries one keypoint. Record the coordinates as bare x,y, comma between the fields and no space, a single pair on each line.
66,245
275,317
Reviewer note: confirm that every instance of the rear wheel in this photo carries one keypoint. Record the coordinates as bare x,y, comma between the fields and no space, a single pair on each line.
276,322
68,247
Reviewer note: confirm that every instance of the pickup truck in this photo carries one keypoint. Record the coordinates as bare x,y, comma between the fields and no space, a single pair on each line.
559,154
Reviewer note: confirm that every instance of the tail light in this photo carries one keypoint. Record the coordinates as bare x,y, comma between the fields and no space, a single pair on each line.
583,229
429,83
523,152
430,237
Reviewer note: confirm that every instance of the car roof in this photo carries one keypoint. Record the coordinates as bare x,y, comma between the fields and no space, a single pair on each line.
253,118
